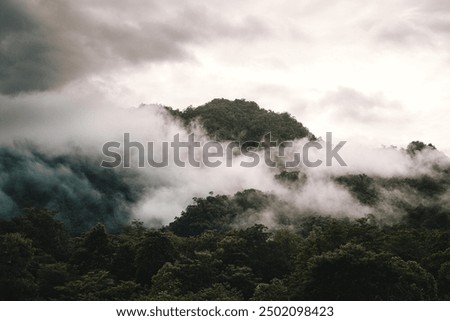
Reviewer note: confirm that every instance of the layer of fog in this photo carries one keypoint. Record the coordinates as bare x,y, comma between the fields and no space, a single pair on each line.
160,194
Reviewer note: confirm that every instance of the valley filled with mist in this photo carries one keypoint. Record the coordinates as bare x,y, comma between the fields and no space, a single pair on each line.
377,228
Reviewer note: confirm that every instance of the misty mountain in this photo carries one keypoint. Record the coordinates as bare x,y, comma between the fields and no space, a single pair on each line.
72,230
242,120
71,182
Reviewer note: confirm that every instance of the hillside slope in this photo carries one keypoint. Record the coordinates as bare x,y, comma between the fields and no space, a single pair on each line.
242,120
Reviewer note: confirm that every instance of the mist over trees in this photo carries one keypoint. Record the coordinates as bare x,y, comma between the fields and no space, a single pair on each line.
68,228
74,185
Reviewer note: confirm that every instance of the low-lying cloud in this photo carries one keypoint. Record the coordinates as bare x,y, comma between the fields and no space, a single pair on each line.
54,160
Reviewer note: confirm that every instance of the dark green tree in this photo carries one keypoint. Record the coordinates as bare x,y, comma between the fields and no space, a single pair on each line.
353,273
99,285
46,232
152,253
16,281
94,250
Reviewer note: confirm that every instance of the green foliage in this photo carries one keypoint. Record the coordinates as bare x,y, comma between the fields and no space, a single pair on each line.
211,213
417,146
426,185
44,230
51,277
98,285
218,213
443,279
16,281
94,251
361,186
152,253
353,273
315,258
216,292
273,291
431,217
241,120
166,284
290,177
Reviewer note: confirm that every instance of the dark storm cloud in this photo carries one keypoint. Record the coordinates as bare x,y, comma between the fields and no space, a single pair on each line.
25,53
45,44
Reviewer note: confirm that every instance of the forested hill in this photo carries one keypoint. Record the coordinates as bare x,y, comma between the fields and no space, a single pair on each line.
68,228
242,120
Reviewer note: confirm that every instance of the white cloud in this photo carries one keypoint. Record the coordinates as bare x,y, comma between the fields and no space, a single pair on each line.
285,55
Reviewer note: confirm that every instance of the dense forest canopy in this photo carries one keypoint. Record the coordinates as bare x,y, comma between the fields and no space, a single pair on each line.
67,230
202,255
242,120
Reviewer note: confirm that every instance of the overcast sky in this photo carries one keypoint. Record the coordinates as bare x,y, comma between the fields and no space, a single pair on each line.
373,71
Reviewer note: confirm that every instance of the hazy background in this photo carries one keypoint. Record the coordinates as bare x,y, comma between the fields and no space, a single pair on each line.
369,71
